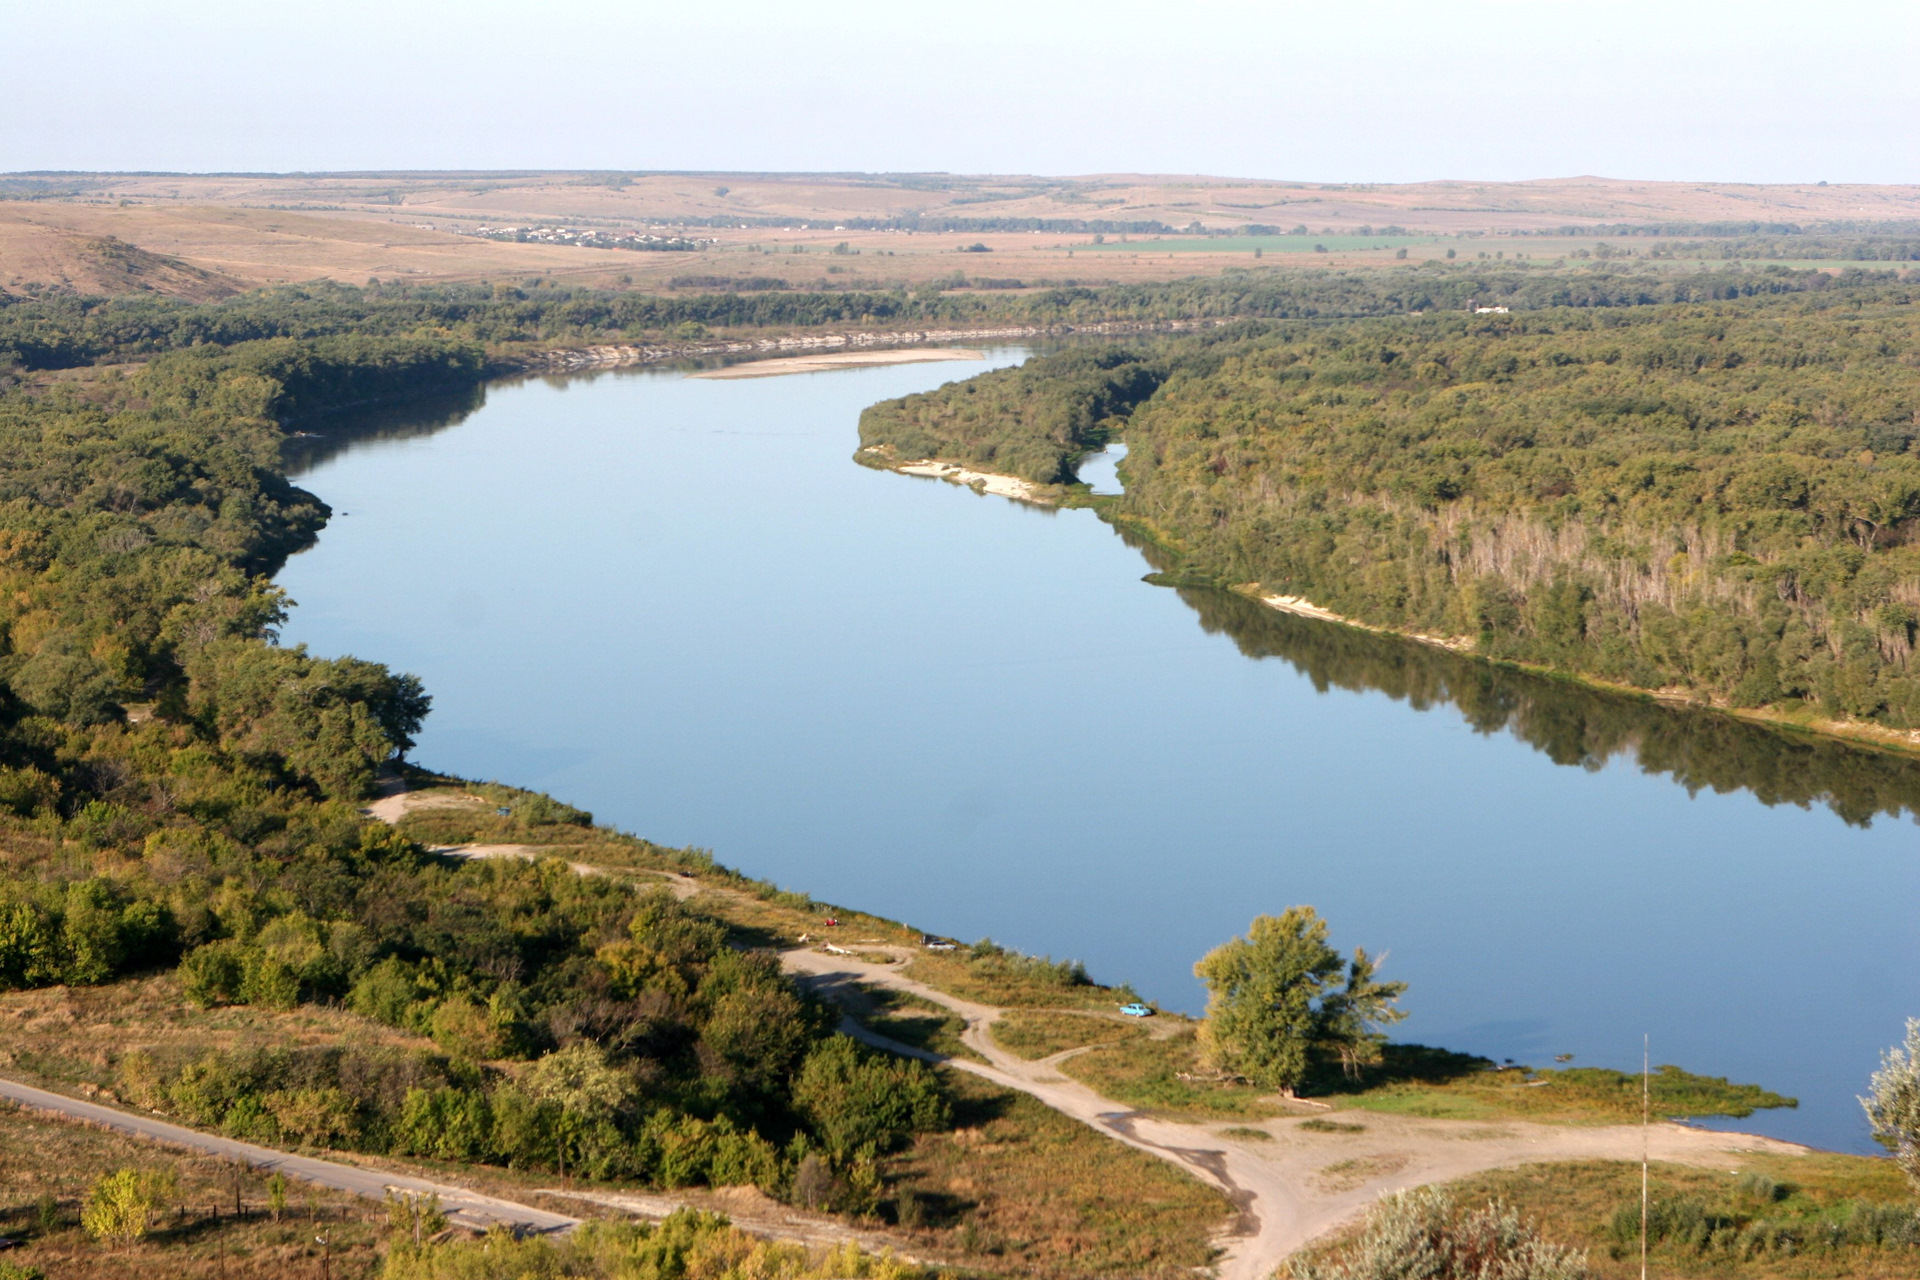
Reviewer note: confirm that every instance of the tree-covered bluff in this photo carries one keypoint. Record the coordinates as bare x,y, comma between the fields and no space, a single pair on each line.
180,795
1719,497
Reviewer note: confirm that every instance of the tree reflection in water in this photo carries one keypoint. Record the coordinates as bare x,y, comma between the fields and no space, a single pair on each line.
1572,724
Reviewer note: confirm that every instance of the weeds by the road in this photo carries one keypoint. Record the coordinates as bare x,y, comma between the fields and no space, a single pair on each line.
1148,1074
912,1021
47,1166
1041,1033
1812,1217
1017,1188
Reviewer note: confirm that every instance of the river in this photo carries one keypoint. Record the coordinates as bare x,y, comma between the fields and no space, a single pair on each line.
678,603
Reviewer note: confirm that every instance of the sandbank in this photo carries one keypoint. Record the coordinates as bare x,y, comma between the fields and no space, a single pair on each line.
815,363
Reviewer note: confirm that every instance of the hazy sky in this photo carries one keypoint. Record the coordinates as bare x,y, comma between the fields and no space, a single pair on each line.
1705,89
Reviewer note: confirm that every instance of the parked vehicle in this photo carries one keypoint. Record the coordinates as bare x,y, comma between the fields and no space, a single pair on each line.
1137,1010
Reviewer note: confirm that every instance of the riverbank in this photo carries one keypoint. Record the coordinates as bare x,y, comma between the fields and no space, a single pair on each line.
617,355
1290,1183
779,366
1905,742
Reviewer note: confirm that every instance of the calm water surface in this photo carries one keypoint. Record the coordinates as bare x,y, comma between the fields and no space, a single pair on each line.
677,603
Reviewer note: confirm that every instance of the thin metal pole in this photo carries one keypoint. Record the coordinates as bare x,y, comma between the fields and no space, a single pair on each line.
1646,1107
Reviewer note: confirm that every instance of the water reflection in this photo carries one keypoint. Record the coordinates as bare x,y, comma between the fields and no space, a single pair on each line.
1576,726
317,440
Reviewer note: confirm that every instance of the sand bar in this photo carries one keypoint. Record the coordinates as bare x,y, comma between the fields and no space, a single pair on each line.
839,360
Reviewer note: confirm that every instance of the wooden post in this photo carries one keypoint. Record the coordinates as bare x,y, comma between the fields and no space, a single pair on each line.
1646,1107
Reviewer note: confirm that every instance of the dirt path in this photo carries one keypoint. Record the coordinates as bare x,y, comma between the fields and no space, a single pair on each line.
464,1207
1294,1185
1290,1187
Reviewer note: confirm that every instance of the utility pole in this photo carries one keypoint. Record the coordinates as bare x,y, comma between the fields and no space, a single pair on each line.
1646,1109
326,1255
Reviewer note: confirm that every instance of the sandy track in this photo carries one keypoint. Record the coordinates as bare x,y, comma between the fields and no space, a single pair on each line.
1289,1188
1284,1187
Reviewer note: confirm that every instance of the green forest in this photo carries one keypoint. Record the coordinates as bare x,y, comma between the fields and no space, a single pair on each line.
1714,497
58,331
178,792
1703,480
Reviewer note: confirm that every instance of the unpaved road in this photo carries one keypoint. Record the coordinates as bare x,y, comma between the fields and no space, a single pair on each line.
1289,1188
464,1207
1285,1189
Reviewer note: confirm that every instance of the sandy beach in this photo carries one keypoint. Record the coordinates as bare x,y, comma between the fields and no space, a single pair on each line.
979,481
839,360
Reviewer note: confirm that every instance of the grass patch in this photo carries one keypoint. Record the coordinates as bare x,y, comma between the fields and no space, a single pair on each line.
901,1016
47,1168
1771,1216
1146,1073
1041,1033
1317,1125
1018,1189
1245,1134
1436,1084
991,974
1345,1175
74,1036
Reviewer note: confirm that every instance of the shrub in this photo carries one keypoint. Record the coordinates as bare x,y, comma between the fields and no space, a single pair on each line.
214,974
121,1205
1418,1235
854,1099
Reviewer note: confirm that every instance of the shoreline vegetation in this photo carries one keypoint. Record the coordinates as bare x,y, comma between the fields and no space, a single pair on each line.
1706,505
200,919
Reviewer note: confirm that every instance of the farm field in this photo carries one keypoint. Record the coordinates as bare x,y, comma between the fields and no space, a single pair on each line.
206,236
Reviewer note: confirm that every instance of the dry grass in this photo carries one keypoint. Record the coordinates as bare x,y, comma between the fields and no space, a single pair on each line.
1017,1188
1013,982
1041,1033
73,1036
46,1168
1574,1204
1146,1074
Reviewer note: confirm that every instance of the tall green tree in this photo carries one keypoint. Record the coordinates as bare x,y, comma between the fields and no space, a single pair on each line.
1276,1000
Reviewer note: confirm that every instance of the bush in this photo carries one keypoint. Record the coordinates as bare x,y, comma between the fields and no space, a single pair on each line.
854,1099
686,1245
1419,1235
121,1205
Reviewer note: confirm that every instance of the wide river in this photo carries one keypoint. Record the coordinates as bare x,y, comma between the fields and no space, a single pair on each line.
678,603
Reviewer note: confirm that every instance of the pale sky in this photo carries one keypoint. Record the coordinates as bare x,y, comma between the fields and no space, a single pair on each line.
1385,91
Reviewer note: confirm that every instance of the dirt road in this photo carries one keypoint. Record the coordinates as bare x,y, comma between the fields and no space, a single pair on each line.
463,1207
1295,1184
1291,1186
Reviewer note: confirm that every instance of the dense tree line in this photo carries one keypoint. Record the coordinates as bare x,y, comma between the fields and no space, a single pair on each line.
1718,497
64,331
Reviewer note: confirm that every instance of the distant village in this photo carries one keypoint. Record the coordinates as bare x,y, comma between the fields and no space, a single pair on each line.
588,239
